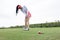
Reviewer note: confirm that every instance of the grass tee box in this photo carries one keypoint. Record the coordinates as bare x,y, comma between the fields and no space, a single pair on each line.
32,34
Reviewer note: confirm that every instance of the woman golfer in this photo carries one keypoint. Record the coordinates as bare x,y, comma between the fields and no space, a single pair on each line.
27,15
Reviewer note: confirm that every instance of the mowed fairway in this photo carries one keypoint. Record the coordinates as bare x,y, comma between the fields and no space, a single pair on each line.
32,34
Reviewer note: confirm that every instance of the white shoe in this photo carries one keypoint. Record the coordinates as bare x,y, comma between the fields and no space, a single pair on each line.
27,29
24,28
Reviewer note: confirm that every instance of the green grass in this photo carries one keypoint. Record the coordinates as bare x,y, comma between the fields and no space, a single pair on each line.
32,34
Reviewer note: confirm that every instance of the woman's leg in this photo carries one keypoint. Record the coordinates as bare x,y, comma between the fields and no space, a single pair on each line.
27,22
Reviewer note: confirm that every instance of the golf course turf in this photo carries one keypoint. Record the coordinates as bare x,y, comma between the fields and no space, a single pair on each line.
19,34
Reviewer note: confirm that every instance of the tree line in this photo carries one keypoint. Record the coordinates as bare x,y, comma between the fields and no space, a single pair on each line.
39,25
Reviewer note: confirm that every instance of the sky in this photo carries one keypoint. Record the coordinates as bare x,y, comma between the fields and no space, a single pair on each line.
41,10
